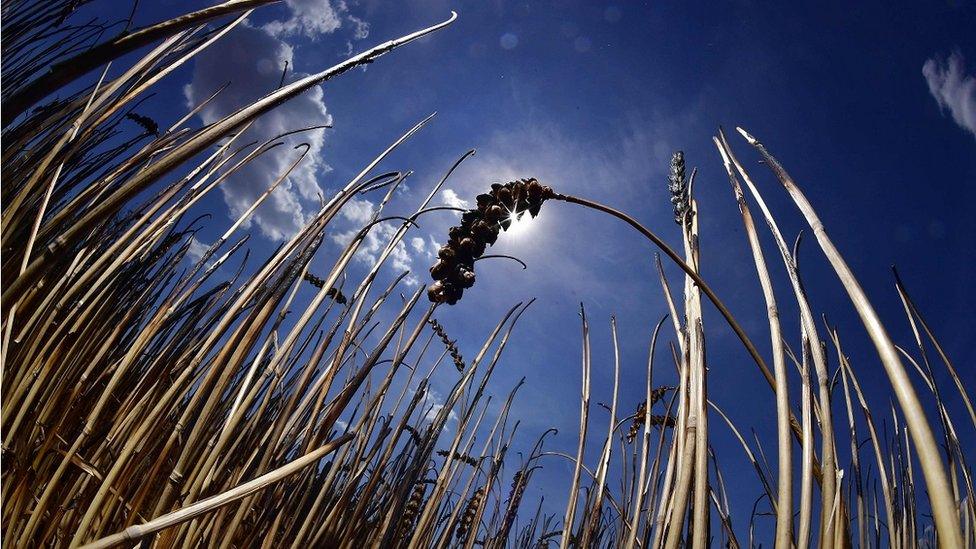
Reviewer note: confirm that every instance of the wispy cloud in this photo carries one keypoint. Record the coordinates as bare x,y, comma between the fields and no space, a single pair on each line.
621,163
360,28
435,401
953,89
358,212
196,249
252,59
419,245
451,198
315,18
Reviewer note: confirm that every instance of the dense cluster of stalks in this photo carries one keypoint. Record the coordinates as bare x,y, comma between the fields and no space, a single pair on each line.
232,402
212,402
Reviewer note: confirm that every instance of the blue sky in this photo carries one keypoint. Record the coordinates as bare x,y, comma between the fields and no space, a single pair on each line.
592,98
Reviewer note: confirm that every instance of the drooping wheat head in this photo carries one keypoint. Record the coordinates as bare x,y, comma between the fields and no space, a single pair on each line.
479,228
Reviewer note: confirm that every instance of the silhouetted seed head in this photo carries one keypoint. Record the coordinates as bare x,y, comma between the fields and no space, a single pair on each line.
337,295
147,124
678,187
470,510
442,269
448,342
411,509
657,421
467,277
638,421
479,228
494,212
414,435
314,280
472,461
334,293
514,499
516,480
446,252
658,393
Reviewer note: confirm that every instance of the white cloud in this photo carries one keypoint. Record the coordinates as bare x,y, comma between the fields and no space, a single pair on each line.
358,210
436,409
433,399
315,18
418,244
953,89
310,18
434,245
377,239
196,249
252,59
360,28
451,198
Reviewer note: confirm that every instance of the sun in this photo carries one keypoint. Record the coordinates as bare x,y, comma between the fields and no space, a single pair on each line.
519,226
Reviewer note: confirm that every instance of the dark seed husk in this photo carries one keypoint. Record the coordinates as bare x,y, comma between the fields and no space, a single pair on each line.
479,229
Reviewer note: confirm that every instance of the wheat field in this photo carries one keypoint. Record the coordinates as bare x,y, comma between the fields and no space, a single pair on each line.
151,398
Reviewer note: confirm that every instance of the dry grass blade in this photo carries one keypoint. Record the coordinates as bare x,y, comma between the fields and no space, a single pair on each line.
784,478
135,533
572,500
943,508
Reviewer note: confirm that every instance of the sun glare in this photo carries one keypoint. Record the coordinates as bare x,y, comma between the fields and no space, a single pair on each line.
519,226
